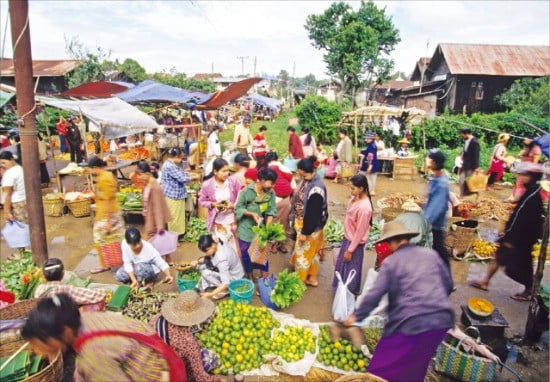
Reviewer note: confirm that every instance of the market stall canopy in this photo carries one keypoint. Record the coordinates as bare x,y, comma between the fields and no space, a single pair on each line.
96,89
151,91
272,103
412,115
233,92
5,97
115,117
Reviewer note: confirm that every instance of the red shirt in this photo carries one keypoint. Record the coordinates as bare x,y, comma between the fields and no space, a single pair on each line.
62,128
295,146
282,186
259,146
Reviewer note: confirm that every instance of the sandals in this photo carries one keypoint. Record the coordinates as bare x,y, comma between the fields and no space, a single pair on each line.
99,270
521,297
475,284
312,284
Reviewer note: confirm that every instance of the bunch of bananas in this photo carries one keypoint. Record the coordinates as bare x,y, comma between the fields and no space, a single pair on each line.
484,248
536,250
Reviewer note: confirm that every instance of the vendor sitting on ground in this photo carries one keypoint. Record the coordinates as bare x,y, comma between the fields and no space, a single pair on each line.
219,266
413,218
142,262
403,151
54,271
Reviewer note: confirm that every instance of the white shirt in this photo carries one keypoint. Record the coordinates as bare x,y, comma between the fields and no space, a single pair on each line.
228,263
223,193
148,254
467,143
13,177
214,148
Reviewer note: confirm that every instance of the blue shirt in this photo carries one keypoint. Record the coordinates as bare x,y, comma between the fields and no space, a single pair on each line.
438,202
370,157
173,181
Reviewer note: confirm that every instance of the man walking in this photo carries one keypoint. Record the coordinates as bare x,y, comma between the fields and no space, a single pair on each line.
470,159
242,137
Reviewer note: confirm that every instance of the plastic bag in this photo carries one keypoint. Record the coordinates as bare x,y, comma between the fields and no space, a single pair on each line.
265,287
165,243
17,234
344,301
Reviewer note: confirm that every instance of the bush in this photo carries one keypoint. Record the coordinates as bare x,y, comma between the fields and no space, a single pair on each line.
321,116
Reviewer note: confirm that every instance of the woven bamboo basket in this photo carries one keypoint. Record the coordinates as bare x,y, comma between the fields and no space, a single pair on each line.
53,207
367,377
51,373
14,311
390,213
80,208
458,241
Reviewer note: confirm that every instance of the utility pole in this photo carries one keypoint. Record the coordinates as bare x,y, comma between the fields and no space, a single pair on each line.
212,67
255,62
22,58
242,58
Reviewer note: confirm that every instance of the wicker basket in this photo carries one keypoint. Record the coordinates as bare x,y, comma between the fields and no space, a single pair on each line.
390,213
14,311
53,207
80,208
460,240
51,373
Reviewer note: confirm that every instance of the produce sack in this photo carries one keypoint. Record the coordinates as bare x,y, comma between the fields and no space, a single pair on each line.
344,301
477,182
165,243
265,287
291,163
258,255
17,234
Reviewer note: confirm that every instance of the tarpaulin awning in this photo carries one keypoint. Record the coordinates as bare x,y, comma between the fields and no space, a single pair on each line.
115,117
149,91
96,89
5,97
271,103
233,92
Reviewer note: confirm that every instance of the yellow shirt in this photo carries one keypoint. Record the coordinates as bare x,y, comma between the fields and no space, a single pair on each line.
106,189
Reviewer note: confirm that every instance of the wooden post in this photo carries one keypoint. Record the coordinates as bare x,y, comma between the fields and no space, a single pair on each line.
425,150
535,290
355,127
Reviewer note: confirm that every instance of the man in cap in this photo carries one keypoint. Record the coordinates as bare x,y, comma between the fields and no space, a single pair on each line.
416,323
369,163
438,203
522,230
413,218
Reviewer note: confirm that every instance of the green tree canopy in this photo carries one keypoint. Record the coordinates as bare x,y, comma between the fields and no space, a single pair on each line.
132,71
90,68
357,43
180,80
321,116
528,96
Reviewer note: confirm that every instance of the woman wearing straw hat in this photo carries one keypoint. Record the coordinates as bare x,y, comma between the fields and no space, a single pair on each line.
403,151
418,285
496,170
413,218
180,317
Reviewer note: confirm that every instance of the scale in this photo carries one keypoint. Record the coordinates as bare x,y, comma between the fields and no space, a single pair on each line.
490,328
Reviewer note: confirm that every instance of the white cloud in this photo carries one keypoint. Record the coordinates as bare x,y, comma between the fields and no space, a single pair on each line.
191,35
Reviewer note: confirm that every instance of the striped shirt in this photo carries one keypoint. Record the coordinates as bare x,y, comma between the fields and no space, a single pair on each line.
82,296
173,181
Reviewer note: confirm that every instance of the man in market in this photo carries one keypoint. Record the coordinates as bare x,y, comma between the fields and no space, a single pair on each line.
255,206
438,204
75,140
242,137
470,159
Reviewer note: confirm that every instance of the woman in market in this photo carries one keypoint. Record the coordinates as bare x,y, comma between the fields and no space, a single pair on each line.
219,194
496,170
155,209
173,182
259,147
311,214
369,163
53,271
357,224
523,229
181,317
403,151
219,266
380,145
241,165
418,285
294,144
62,126
214,149
142,262
331,171
108,346
13,189
531,153
108,224
308,143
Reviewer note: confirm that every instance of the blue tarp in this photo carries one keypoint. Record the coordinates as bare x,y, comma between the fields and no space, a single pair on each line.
150,90
271,103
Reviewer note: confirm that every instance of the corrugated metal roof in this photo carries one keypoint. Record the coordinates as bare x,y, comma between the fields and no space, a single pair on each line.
395,84
496,60
42,68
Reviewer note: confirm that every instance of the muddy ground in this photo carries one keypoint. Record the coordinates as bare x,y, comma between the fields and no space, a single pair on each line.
70,239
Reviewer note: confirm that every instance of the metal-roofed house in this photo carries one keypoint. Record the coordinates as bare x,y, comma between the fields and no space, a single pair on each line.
49,75
468,77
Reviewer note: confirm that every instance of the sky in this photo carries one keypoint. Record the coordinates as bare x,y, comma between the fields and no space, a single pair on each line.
194,36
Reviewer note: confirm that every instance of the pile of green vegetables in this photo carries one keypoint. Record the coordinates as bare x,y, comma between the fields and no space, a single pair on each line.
22,366
191,275
132,202
334,231
375,232
269,233
195,228
144,304
13,269
288,289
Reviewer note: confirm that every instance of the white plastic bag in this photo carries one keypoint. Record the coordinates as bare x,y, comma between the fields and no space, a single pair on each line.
344,301
16,234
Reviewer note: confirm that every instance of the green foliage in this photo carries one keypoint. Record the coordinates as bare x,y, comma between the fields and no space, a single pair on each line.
321,116
90,68
269,233
356,42
8,118
288,289
48,118
180,80
132,71
529,96
334,231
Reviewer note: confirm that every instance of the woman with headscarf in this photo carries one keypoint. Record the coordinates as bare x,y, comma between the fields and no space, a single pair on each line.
496,170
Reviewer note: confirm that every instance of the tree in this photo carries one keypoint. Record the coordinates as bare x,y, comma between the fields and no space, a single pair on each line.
357,43
180,80
321,116
132,71
528,96
90,68
284,78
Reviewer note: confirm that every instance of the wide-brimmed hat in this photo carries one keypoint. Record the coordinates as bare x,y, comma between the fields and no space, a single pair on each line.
187,309
394,229
503,137
404,140
411,206
369,135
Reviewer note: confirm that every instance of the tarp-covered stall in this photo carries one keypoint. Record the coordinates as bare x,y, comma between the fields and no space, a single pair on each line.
97,89
5,97
233,92
270,103
151,91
